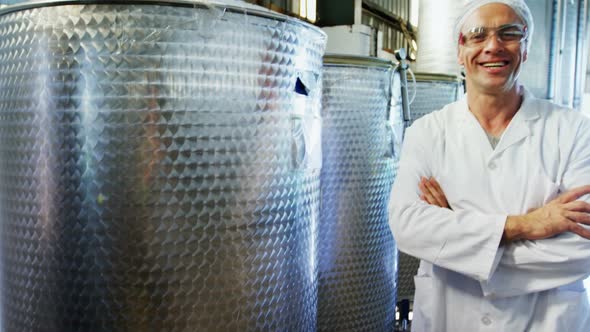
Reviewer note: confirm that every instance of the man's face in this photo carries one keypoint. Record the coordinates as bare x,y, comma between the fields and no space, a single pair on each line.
492,64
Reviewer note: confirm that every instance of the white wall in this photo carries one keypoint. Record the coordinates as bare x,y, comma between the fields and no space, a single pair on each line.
586,104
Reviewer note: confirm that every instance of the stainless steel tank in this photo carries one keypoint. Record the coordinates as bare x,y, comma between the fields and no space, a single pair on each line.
431,92
157,167
361,132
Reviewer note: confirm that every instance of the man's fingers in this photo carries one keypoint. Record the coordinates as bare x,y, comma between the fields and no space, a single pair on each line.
436,192
426,195
581,231
578,217
432,192
422,187
428,198
435,184
577,206
572,195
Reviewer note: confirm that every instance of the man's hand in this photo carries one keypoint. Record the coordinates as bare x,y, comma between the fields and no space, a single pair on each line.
432,193
563,214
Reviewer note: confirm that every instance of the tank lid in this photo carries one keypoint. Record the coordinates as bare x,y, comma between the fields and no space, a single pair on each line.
236,6
354,60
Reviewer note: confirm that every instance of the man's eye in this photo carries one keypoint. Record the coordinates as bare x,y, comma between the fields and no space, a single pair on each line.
477,37
510,35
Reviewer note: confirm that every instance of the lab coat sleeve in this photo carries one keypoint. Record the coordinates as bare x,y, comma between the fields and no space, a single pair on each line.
463,241
532,266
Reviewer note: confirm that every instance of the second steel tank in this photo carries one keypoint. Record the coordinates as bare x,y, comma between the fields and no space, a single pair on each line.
362,128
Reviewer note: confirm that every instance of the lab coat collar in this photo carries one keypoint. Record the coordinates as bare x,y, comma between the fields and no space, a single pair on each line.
519,127
526,111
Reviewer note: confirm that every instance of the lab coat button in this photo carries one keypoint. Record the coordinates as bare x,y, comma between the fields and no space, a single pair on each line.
486,320
492,165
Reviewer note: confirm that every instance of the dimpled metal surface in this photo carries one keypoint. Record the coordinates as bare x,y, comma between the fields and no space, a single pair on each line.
154,174
432,96
356,250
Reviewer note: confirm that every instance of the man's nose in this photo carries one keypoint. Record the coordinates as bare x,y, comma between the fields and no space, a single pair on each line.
493,43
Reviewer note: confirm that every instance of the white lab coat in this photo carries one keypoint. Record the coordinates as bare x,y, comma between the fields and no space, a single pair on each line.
467,281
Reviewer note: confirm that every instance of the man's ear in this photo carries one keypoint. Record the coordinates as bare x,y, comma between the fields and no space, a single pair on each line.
525,56
460,57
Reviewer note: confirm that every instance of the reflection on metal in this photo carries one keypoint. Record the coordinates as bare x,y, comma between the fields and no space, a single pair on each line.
433,91
361,132
157,168
407,270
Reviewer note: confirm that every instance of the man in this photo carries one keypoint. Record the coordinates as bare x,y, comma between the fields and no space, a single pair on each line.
490,196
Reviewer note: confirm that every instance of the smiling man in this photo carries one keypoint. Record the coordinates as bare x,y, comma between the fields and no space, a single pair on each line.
492,193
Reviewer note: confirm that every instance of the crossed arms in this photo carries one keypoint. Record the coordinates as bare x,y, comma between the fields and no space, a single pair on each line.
509,255
563,214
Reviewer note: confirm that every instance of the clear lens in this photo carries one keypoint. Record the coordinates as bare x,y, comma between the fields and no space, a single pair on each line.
507,33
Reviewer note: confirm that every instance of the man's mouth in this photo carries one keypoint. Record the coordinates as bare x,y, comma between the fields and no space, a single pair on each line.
495,64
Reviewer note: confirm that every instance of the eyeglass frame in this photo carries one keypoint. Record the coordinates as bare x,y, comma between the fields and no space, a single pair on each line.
487,30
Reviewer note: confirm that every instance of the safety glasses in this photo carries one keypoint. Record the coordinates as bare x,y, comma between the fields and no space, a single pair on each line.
507,33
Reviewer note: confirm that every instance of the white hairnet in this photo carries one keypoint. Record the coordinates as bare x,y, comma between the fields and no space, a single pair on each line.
519,7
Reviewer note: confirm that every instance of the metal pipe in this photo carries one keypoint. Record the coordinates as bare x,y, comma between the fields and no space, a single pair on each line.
553,49
581,53
401,56
568,53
